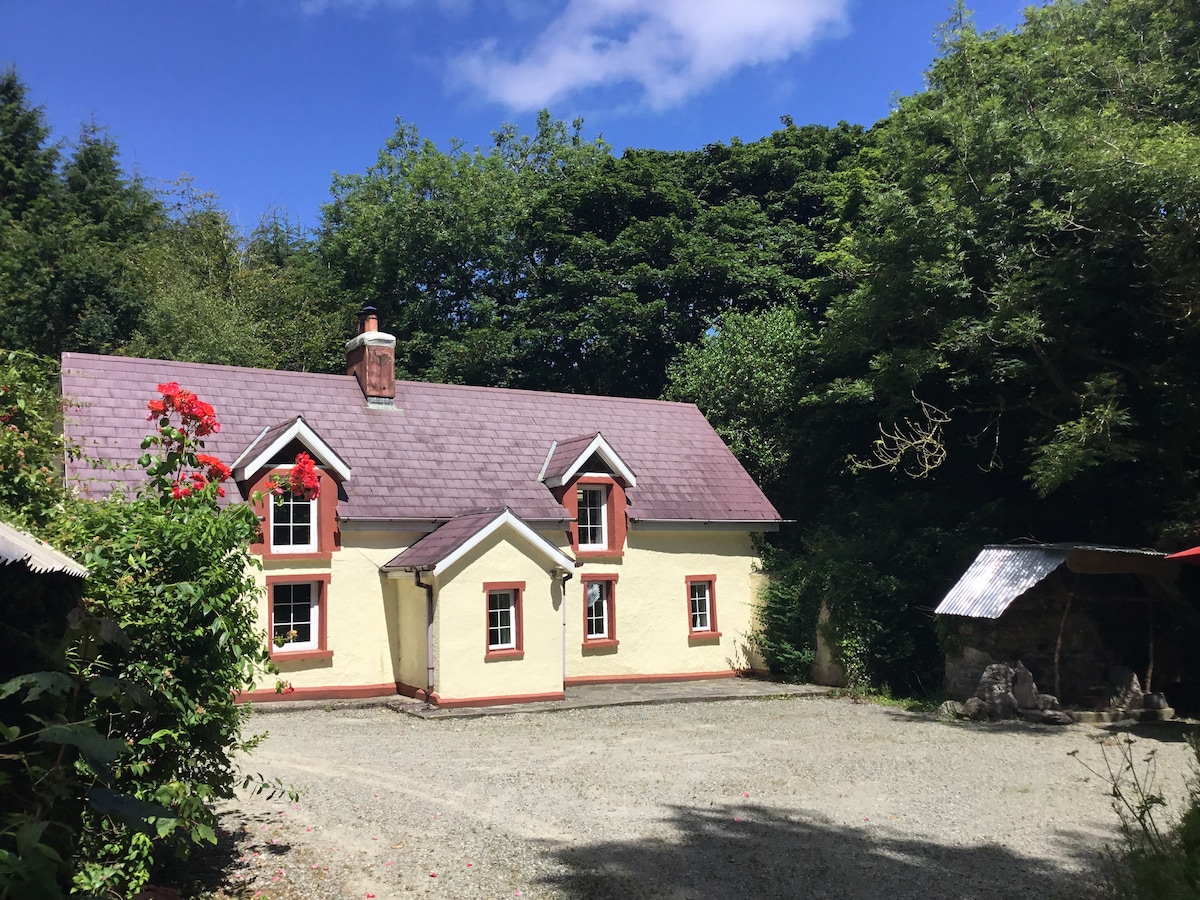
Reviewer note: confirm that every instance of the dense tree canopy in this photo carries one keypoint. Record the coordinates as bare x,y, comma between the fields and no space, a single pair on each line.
1008,344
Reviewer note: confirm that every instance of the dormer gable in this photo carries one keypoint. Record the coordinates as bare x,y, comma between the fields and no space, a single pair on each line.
584,454
287,438
590,479
293,527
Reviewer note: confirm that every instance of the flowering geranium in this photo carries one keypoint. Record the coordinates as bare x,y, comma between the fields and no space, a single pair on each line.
303,481
179,470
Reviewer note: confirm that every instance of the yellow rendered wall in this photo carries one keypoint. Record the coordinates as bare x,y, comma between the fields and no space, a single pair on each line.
460,632
652,605
362,612
414,665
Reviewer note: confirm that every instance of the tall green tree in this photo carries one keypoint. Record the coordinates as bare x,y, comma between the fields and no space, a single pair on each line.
1006,343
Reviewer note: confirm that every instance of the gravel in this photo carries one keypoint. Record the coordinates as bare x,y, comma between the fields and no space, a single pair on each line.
817,798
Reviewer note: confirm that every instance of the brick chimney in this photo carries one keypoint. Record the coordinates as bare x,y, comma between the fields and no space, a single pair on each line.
371,358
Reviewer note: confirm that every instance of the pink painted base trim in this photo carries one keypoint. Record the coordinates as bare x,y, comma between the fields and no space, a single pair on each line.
456,702
343,692
409,690
581,680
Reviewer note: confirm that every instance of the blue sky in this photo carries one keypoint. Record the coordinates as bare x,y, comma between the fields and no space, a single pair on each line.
260,101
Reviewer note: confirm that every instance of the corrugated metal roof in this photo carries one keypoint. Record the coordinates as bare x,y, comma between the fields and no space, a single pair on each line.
18,547
1003,572
997,577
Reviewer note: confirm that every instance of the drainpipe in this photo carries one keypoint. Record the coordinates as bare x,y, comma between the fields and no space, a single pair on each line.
429,632
567,576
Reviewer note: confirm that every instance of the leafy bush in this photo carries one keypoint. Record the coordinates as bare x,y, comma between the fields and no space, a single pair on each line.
118,738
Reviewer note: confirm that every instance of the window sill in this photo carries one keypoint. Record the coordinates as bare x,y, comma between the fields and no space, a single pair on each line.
704,637
601,644
503,654
289,655
316,555
599,554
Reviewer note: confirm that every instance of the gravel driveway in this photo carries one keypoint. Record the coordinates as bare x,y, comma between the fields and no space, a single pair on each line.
748,799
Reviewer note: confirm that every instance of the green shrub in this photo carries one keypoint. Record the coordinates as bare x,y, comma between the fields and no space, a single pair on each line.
1152,860
116,739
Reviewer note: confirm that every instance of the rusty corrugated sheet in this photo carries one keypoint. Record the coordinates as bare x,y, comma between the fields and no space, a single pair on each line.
18,547
998,576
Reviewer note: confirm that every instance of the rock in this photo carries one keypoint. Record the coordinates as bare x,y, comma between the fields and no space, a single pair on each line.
1046,716
1126,689
974,708
1024,688
996,691
996,679
1005,705
950,709
1047,701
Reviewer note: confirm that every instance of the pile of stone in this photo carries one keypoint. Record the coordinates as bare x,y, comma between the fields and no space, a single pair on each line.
1009,692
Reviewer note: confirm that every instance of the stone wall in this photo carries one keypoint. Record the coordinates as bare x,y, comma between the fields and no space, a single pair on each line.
1028,631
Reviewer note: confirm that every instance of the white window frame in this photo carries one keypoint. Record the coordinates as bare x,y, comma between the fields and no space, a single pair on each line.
602,490
512,612
706,597
314,621
605,598
289,500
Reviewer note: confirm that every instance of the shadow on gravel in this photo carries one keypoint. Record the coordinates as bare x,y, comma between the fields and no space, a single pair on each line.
1167,732
755,853
1174,731
210,870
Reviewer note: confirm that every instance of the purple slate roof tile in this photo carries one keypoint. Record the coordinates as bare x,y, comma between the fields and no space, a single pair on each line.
434,547
444,450
565,453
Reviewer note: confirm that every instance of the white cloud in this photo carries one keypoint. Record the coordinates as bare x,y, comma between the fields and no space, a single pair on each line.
673,49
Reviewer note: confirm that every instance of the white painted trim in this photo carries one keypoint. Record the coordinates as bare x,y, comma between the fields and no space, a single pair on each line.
371,339
314,617
246,465
313,526
599,446
602,544
505,518
546,461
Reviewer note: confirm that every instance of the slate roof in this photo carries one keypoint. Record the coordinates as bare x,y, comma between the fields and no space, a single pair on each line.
445,449
435,547
444,545
565,453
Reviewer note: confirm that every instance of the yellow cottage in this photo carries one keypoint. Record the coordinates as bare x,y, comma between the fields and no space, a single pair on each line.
469,546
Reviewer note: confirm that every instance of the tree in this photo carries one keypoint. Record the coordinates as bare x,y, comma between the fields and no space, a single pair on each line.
1005,307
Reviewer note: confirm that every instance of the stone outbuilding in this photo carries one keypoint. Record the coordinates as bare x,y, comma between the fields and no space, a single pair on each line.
1092,623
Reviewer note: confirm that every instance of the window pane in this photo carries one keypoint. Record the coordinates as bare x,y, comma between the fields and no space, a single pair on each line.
292,522
597,609
292,614
502,619
590,515
699,606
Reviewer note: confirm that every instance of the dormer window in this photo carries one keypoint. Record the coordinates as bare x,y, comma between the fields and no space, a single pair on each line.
302,521
592,516
590,479
293,524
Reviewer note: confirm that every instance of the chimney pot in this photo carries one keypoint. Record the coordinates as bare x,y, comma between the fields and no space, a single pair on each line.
367,320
